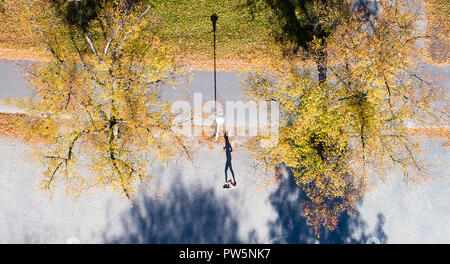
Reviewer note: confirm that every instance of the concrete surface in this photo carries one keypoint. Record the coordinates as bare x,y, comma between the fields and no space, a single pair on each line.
187,204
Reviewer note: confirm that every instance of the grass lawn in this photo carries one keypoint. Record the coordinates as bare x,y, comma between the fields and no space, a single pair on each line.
242,35
239,33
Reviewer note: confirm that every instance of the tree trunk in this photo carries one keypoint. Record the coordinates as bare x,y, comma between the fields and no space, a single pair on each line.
322,66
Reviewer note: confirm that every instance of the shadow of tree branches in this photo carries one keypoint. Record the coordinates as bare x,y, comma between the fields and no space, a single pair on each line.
291,226
197,216
184,216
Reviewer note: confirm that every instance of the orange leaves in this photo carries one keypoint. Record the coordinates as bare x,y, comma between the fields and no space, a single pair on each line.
336,134
97,97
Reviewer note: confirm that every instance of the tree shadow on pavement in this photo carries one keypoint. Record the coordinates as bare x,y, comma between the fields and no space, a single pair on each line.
291,226
179,217
369,7
198,216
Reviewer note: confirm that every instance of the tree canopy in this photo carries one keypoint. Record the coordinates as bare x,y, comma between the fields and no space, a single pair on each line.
340,132
343,122
98,97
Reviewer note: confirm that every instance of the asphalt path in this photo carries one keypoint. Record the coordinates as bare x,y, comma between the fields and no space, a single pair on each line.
187,204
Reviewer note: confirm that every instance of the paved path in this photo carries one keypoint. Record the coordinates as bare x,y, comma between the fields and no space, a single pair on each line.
195,208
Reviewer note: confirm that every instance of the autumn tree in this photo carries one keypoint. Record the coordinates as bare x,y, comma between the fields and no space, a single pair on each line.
98,96
438,30
339,133
303,22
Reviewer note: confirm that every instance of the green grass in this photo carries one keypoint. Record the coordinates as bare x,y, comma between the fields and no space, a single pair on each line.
238,34
241,34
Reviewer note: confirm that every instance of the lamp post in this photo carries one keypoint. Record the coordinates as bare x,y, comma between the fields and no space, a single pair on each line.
220,119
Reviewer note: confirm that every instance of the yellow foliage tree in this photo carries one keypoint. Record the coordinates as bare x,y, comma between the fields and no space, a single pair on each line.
98,97
438,29
334,134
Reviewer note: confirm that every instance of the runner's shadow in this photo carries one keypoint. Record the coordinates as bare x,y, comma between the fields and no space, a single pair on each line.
228,166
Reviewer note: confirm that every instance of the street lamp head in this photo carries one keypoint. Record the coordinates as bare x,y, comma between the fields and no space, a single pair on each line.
214,18
220,119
